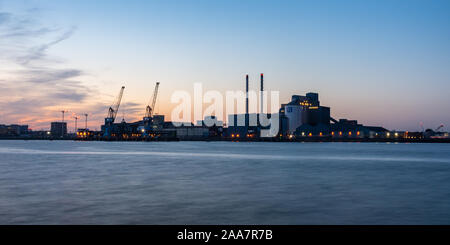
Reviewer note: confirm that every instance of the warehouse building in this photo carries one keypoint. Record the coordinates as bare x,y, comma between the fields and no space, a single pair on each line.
351,129
343,129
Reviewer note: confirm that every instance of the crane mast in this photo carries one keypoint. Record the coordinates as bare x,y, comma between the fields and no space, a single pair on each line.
151,108
439,128
114,108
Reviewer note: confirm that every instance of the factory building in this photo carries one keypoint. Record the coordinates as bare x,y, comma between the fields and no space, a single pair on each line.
214,126
251,125
154,123
307,118
211,121
308,130
187,131
351,129
192,133
305,110
343,129
58,129
243,126
118,130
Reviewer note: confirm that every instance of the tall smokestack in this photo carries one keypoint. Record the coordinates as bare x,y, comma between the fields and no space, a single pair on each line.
246,95
262,90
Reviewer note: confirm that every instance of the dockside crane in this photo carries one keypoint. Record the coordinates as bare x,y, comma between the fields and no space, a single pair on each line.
112,114
151,107
114,108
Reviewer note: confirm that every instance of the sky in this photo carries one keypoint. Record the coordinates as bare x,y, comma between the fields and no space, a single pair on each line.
383,63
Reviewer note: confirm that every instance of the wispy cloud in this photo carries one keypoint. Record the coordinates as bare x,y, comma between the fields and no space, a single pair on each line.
38,53
49,76
34,86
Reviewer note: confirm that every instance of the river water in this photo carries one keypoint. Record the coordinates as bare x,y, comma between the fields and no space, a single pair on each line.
65,182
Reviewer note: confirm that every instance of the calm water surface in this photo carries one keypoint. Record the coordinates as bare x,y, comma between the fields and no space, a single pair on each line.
64,182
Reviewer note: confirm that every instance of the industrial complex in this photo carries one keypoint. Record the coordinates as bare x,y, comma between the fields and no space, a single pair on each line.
301,119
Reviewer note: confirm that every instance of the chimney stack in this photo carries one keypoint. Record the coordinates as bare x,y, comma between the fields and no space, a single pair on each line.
262,90
246,95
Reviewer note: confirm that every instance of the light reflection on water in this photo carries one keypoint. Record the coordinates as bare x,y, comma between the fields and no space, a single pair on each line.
63,182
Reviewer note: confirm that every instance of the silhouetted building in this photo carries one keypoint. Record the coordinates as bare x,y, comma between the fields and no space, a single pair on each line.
210,121
13,130
305,110
58,129
343,129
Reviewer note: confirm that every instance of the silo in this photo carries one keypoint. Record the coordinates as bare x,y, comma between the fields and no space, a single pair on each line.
294,113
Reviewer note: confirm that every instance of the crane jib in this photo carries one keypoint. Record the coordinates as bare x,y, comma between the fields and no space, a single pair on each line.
151,107
112,113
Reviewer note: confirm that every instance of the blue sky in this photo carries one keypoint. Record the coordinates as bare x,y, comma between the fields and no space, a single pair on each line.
380,62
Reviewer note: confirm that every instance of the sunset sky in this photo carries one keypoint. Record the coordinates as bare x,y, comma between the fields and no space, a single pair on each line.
383,63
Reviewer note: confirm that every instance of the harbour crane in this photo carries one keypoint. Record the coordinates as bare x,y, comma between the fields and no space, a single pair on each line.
151,107
114,108
112,113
